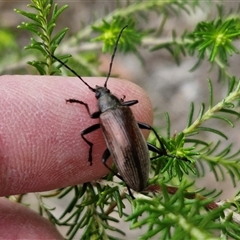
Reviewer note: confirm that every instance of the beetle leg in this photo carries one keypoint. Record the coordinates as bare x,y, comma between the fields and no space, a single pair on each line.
161,151
92,115
86,131
155,149
148,127
105,156
130,103
123,98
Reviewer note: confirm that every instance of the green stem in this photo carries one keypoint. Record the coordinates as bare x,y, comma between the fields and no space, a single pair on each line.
211,111
127,11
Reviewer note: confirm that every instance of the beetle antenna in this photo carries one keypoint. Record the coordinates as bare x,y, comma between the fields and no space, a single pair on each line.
71,70
113,55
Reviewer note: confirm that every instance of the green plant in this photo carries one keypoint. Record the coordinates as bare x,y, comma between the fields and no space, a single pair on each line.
182,211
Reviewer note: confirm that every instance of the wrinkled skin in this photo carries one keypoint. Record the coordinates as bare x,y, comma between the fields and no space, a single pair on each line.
40,144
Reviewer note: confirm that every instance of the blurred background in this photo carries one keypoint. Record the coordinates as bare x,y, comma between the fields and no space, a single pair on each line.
171,87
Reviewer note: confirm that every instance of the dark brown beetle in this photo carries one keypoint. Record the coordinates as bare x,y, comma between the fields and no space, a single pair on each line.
124,139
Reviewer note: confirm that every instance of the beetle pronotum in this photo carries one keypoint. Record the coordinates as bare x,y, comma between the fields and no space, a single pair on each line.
128,148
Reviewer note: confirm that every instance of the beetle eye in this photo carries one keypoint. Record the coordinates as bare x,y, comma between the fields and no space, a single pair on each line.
97,95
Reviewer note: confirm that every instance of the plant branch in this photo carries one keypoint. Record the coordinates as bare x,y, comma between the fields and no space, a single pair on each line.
233,96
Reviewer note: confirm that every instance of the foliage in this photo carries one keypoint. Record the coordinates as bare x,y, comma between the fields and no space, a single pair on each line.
179,212
216,38
42,25
110,31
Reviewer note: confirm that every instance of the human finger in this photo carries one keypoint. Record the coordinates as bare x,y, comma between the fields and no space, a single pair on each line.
20,222
40,143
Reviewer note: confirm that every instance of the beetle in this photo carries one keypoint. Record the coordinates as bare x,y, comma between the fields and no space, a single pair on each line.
124,139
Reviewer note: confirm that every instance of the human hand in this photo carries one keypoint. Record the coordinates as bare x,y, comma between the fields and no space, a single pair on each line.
40,143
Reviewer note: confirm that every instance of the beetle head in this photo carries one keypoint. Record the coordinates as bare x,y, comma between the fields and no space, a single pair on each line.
100,91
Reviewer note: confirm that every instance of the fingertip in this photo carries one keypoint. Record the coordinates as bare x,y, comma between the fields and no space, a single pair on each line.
20,222
40,143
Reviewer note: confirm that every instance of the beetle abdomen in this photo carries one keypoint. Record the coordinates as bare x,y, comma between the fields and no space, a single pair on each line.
127,146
